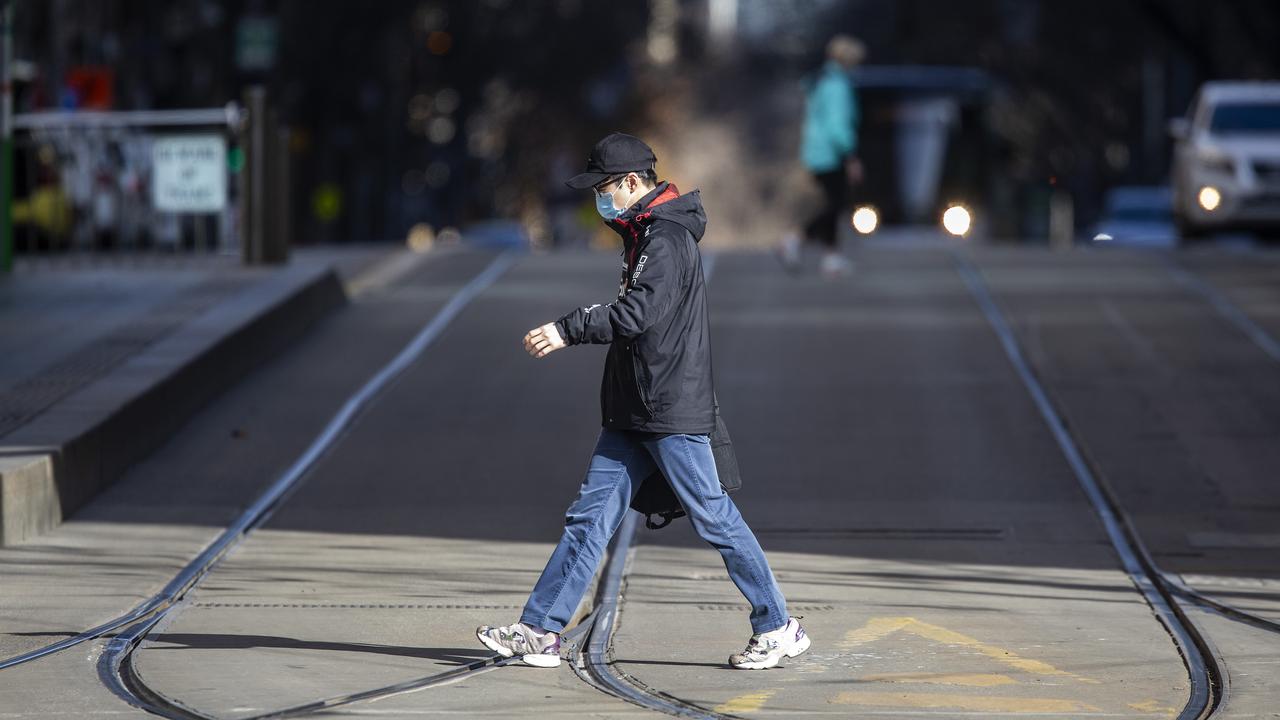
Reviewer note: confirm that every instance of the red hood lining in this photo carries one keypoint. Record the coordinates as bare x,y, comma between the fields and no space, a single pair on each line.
671,193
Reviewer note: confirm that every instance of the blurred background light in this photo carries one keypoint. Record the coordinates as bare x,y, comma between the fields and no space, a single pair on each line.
446,101
326,202
865,219
439,42
957,220
421,237
441,130
449,236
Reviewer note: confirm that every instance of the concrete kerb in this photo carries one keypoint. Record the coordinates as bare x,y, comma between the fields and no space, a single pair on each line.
87,440
28,498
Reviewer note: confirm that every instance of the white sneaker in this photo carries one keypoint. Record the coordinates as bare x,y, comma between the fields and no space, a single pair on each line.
789,251
536,649
835,265
764,650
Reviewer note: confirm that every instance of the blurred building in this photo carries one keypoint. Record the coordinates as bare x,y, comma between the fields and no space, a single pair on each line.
401,111
437,112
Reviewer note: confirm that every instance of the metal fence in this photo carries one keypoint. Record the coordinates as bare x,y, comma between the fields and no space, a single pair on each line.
179,181
90,181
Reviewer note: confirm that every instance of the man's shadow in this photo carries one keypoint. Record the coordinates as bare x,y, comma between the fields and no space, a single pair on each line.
199,641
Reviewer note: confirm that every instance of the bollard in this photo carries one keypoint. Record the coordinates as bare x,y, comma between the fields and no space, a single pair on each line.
264,202
253,139
1061,220
6,137
275,246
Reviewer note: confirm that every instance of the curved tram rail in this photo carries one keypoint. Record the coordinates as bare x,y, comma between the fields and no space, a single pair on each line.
139,620
1208,679
1161,591
590,643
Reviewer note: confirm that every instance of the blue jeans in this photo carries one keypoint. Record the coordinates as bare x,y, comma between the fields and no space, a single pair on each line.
621,461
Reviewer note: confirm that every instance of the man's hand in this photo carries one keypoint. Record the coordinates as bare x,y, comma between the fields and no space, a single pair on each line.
543,341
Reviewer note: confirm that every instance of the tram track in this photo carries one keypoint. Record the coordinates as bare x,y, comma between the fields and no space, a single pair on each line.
266,503
115,667
122,677
590,643
1209,680
1207,676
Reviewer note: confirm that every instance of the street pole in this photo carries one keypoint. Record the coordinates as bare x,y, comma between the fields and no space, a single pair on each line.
6,137
253,199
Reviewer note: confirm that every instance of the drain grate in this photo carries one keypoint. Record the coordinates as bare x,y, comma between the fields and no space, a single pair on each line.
889,533
358,606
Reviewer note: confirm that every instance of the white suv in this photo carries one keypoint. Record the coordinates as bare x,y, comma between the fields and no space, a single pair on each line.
1226,158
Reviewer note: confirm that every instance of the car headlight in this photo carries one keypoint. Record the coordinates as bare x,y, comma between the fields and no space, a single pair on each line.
1209,198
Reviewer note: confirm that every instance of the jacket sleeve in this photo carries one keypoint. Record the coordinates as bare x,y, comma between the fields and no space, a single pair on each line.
654,286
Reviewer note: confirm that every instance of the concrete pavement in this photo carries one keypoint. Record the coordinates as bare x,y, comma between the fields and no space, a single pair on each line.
914,508
100,357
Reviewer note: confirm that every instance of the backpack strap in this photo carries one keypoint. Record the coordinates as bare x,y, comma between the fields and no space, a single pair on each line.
667,517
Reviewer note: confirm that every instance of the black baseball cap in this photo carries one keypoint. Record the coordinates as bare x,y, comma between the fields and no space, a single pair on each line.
616,154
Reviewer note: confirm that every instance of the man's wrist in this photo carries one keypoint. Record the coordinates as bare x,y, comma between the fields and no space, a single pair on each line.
562,328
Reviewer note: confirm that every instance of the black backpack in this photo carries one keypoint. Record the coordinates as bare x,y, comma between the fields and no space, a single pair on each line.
655,496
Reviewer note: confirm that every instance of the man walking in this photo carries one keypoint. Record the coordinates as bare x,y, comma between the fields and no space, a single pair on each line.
657,402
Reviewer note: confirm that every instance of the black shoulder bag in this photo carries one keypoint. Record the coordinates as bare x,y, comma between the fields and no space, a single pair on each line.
655,496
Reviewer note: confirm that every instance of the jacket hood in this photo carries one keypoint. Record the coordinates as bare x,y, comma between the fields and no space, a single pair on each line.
685,210
668,204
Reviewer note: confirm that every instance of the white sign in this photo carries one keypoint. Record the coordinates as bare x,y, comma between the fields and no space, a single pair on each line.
189,173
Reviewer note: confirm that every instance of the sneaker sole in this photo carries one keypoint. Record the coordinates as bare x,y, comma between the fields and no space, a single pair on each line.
542,660
795,650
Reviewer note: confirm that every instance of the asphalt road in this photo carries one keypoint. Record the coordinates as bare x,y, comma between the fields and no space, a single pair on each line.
917,511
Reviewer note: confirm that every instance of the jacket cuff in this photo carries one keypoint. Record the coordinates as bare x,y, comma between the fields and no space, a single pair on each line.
563,328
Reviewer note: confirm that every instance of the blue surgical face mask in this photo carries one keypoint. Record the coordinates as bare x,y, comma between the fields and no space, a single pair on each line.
604,204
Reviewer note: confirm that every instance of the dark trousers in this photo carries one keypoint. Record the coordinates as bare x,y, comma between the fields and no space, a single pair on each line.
824,226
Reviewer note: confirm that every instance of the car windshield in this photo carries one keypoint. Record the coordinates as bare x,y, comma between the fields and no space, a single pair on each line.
1246,118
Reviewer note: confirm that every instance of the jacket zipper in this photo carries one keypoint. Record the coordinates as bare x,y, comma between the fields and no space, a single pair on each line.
631,348
635,373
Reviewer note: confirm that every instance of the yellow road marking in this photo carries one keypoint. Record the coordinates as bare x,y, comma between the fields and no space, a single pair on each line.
877,628
746,703
1154,706
968,679
976,703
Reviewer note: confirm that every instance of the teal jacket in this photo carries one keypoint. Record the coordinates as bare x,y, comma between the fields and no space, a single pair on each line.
830,120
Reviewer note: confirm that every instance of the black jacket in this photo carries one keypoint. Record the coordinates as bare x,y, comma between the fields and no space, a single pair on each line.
657,377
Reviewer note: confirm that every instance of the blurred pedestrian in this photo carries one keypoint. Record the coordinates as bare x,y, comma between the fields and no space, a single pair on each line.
658,407
828,149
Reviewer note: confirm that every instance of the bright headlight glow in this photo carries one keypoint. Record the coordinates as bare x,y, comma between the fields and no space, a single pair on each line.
957,220
865,219
1209,198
